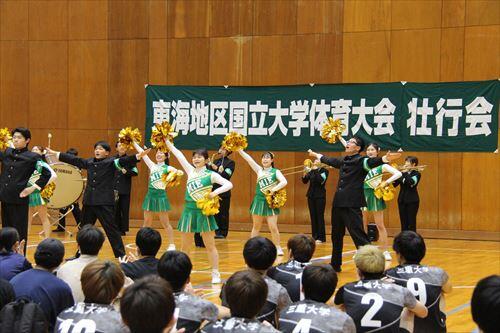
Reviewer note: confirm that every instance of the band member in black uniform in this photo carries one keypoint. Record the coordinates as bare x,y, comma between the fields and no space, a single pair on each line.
123,186
408,199
316,176
99,196
18,164
224,166
76,206
349,197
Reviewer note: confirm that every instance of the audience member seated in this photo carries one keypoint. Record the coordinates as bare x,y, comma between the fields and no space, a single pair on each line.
259,254
300,251
485,304
40,285
148,242
101,284
12,260
374,302
148,305
246,294
89,240
427,283
175,267
312,314
7,293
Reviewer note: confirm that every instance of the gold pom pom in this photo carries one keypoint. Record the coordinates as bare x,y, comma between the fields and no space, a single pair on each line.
209,206
5,137
385,193
276,199
172,179
48,191
160,133
234,141
332,130
128,136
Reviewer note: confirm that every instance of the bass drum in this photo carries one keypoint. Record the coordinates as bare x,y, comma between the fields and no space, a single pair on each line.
69,186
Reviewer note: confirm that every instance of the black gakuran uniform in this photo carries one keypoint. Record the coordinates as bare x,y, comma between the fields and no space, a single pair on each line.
316,201
123,186
408,199
99,195
17,167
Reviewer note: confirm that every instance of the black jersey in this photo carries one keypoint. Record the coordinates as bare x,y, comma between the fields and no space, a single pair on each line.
289,275
313,317
193,311
89,317
277,300
376,305
238,325
426,284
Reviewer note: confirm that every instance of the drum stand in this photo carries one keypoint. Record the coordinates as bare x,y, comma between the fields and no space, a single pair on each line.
55,216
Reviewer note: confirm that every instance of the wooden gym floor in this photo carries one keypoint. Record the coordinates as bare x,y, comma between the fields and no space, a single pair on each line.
465,261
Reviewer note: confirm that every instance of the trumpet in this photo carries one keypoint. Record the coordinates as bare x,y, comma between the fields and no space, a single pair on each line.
306,167
402,168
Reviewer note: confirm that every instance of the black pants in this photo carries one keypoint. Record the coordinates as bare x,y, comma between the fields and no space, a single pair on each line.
352,219
198,240
77,214
105,215
16,216
222,217
317,213
408,215
122,209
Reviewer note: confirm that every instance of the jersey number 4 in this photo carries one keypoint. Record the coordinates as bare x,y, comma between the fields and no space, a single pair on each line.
303,326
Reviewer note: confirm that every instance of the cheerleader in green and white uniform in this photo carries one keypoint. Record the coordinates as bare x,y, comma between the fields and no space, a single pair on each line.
36,203
373,180
192,220
156,201
268,179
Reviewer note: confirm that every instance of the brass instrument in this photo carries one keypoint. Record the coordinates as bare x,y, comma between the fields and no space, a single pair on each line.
306,167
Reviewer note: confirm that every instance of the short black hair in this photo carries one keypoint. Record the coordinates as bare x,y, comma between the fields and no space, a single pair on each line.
246,294
175,267
104,144
485,304
359,142
90,239
26,133
147,305
202,152
412,159
148,240
8,237
302,247
259,253
72,151
319,282
410,245
49,253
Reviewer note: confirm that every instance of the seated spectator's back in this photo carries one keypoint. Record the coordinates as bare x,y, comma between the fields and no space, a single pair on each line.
40,285
7,293
11,261
148,242
485,304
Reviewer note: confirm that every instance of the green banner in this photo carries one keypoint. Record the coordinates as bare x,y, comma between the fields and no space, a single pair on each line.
458,116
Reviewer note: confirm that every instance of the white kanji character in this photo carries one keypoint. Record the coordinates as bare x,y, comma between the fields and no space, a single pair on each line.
424,111
318,115
455,114
323,311
384,117
218,324
256,110
199,118
80,308
377,285
409,269
238,117
313,309
291,309
301,308
253,326
278,112
477,114
417,270
362,111
299,110
182,297
218,122
182,119
340,110
161,111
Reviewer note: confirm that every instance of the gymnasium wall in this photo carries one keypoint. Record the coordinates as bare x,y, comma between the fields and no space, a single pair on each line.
78,69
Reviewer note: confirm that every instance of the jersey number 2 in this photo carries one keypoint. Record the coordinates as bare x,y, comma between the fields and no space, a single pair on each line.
378,301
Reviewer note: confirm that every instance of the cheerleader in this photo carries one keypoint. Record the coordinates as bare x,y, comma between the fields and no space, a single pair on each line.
268,179
373,180
37,204
192,220
156,200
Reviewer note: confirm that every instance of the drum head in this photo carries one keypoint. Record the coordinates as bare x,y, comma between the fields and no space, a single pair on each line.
69,186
